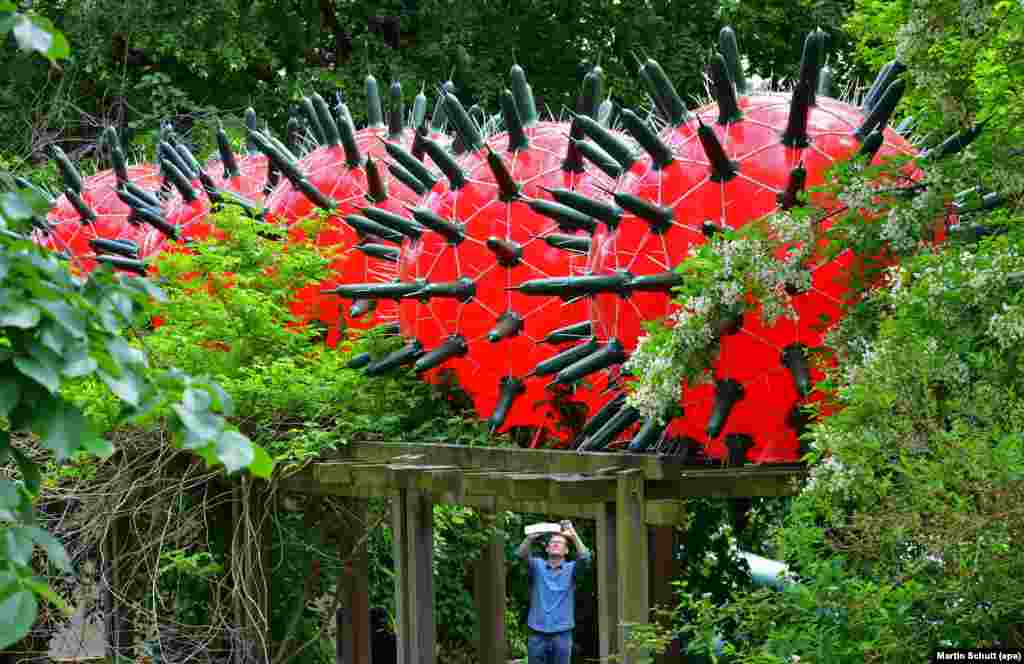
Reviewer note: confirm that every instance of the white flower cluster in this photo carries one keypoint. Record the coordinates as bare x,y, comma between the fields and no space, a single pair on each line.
1007,326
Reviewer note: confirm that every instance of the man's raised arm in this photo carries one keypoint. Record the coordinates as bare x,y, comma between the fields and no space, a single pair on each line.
581,549
524,549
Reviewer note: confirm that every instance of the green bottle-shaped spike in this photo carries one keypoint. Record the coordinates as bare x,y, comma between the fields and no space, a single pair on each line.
659,217
573,332
169,156
905,126
725,93
374,112
508,325
157,221
72,178
464,125
573,162
523,94
122,263
394,221
889,73
312,119
882,111
598,157
731,52
189,160
366,227
328,125
571,287
810,63
147,197
869,148
825,82
440,116
396,111
794,185
453,346
360,308
452,171
462,289
517,139
359,361
738,445
799,113
411,164
251,124
650,434
379,251
664,93
119,247
293,135
608,141
591,92
955,143
606,213
376,188
510,389
601,417
419,109
606,113
660,153
611,354
507,252
450,231
575,243
85,213
659,282
353,158
728,393
794,358
568,219
566,358
722,169
405,355
508,189
180,182
407,178
377,291
227,155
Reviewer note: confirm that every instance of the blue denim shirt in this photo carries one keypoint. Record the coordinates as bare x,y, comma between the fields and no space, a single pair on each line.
553,594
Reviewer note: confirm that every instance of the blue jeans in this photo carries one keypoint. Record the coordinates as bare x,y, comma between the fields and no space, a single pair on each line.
553,648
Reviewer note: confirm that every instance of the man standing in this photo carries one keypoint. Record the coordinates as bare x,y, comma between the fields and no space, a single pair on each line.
553,596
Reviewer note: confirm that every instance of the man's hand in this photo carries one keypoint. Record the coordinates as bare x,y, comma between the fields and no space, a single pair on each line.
570,533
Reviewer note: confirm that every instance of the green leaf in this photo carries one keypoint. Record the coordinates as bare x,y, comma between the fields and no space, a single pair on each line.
19,611
35,33
127,387
5,264
98,446
196,400
11,502
42,589
78,362
5,446
125,354
14,206
17,545
234,450
10,393
54,549
262,465
45,375
20,315
61,427
201,426
29,470
71,319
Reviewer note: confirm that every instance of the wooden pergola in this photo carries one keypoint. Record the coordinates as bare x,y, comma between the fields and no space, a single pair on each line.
636,500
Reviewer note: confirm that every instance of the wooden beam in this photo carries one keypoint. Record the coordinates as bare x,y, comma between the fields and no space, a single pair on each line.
606,558
749,481
489,593
353,645
413,533
631,536
664,569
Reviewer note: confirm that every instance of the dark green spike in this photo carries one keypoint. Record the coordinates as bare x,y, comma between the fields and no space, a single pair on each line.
180,182
227,155
507,252
606,113
524,96
508,325
119,247
660,282
608,142
570,287
810,64
794,358
312,119
725,93
359,361
326,120
955,143
573,162
211,189
606,213
673,103
795,135
281,147
292,135
568,219
381,251
85,213
374,112
791,196
573,332
361,308
22,183
341,110
869,148
419,109
418,150
171,156
72,178
290,170
464,125
886,75
251,124
407,178
731,52
510,388
882,111
120,262
598,157
376,188
728,393
147,197
611,354
508,189
601,417
450,231
517,139
822,38
452,171
395,290
394,221
649,434
738,445
396,111
722,169
188,159
659,217
156,220
353,158
117,159
364,226
591,92
133,201
825,82
568,242
661,154
407,354
462,289
411,164
440,116
566,358
453,346
905,126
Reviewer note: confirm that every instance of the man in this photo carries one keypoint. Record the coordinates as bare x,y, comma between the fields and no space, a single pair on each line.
553,596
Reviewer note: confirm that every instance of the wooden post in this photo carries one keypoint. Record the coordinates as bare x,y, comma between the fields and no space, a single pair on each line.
250,556
120,636
631,533
353,618
413,525
489,593
663,570
606,558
